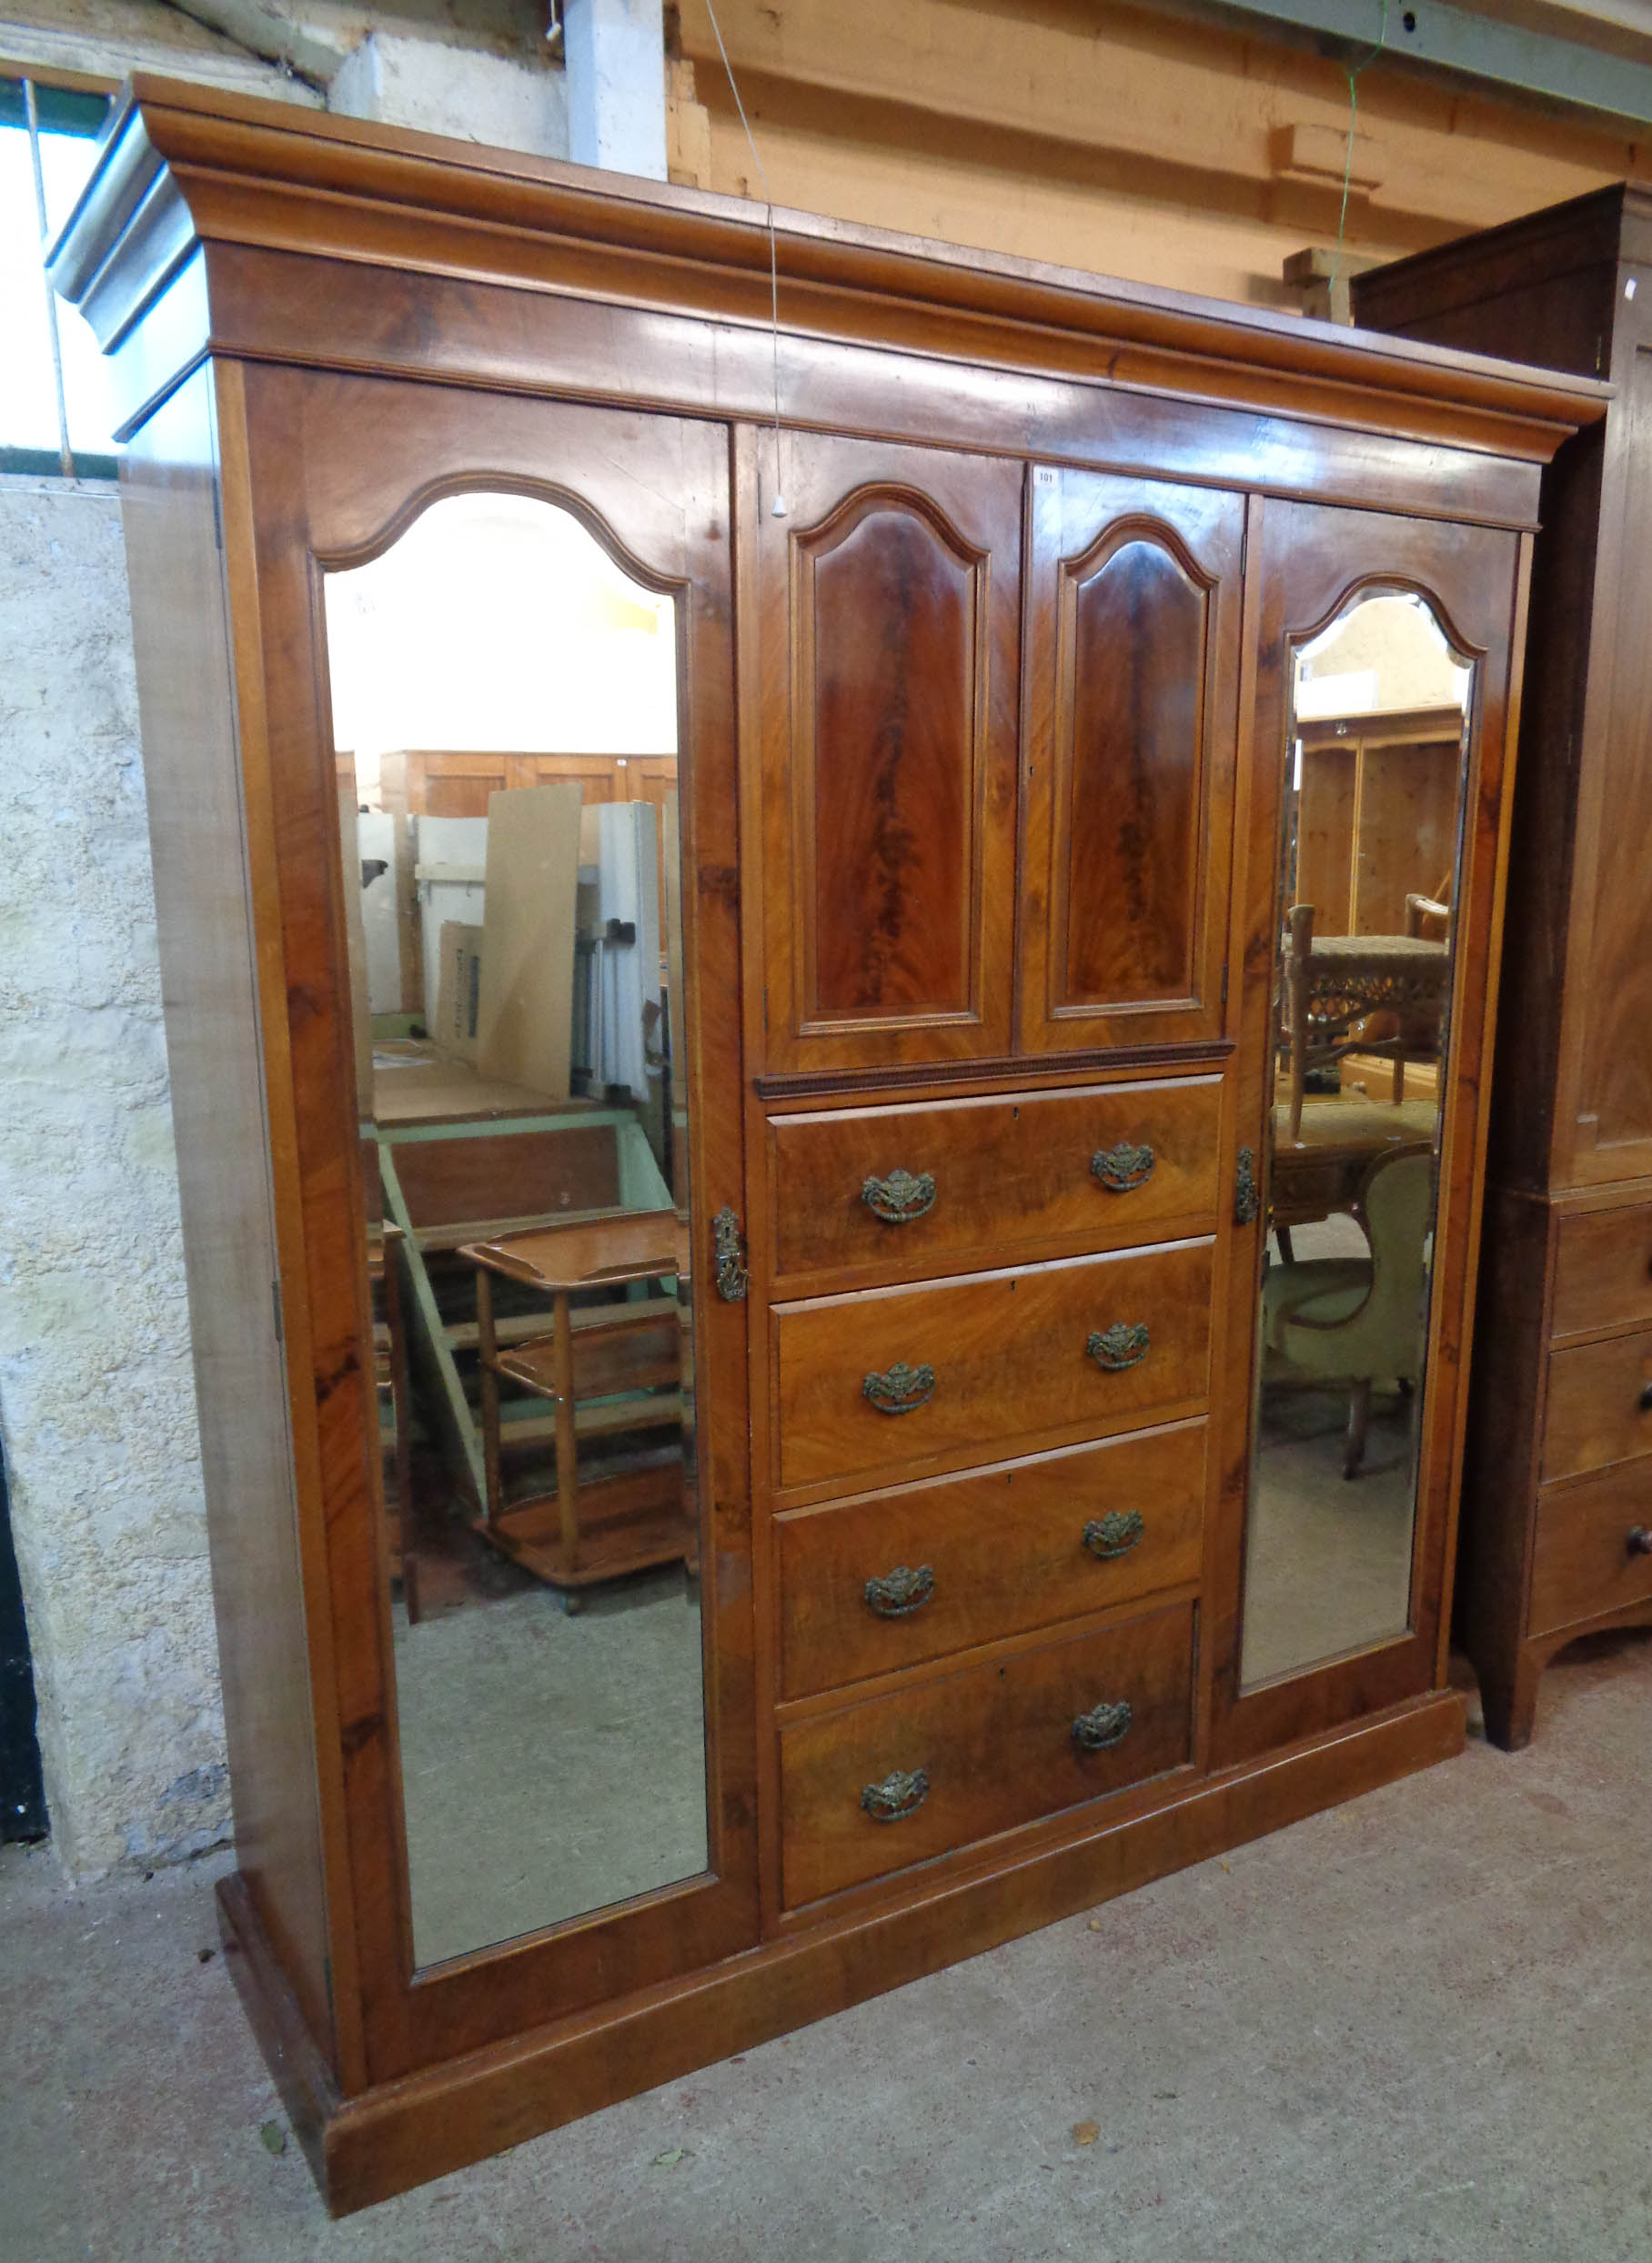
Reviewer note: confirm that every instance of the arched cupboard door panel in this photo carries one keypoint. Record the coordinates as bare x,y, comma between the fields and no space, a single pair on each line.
888,611
1129,752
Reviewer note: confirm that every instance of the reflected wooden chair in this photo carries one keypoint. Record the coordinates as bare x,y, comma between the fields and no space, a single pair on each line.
1335,984
607,1369
1359,1319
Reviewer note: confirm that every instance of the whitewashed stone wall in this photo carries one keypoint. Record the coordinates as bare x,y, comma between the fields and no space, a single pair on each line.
97,1393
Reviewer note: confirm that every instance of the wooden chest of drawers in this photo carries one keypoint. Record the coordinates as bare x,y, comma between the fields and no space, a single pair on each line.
1557,1536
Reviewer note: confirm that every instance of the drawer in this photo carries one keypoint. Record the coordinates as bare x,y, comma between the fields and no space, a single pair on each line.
984,1749
1599,1405
891,1579
1603,1270
959,1368
1583,1562
901,1187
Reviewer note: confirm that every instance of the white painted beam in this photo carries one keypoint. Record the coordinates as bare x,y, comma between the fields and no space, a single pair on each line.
615,52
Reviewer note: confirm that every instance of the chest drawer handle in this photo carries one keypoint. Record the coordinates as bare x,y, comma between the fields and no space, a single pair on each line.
1114,1534
900,1389
898,1594
900,1198
1122,1167
901,1792
1640,1541
1102,1726
1125,1344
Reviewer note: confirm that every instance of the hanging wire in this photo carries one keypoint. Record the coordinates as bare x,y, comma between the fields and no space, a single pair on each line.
1354,78
777,508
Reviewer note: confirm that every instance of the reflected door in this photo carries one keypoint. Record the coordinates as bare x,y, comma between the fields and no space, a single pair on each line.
537,1525
1382,680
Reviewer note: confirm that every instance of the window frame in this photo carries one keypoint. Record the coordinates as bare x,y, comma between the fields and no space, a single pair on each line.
47,101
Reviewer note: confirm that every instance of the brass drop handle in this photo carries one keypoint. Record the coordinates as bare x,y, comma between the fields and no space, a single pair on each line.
1121,1167
1114,1534
1102,1726
901,1792
897,1594
898,1389
1640,1541
1125,1344
900,1198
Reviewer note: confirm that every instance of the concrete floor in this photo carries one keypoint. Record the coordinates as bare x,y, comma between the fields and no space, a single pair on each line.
1414,2029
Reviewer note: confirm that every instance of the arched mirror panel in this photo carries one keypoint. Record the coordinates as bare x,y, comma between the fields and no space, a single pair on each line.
1359,1050
506,697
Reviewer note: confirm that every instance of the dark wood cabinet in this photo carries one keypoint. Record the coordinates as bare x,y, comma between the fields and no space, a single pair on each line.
952,920
1558,1480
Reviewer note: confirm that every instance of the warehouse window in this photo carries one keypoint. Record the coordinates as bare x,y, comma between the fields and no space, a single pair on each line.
55,396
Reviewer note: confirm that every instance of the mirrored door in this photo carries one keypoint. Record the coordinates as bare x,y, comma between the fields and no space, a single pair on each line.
513,619
1379,727
1359,1063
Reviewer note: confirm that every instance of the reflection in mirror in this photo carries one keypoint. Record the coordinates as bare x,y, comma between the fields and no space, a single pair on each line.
505,716
1362,988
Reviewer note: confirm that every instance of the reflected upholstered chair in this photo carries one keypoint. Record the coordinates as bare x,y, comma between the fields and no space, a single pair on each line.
1359,1319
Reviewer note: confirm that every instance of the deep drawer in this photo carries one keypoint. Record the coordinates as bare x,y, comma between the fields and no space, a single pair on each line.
980,1750
882,1187
891,1579
901,1376
1603,1269
1584,1562
1596,1411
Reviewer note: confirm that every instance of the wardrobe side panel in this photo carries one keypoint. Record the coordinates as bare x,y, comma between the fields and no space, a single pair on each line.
204,915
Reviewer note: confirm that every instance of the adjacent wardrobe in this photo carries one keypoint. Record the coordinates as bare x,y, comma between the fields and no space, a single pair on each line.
1557,1498
934,1247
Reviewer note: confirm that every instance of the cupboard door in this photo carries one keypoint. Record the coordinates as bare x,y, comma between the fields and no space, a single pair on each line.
889,629
519,1840
1133,666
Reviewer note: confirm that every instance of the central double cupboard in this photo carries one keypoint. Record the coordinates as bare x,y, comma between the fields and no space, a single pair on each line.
1046,1351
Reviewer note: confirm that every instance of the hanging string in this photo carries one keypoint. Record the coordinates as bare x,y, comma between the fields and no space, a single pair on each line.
778,507
1354,78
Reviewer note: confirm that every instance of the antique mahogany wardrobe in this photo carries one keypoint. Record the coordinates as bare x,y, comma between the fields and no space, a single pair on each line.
1558,1487
828,1071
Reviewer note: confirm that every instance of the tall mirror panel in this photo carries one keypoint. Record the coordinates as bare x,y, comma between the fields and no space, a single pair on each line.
505,701
1358,1055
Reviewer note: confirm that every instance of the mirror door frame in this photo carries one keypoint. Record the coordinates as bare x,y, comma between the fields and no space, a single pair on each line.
331,466
1472,577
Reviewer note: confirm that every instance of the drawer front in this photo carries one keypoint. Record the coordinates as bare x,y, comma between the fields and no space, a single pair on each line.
1585,1560
982,1750
1599,1405
1603,1270
893,1578
898,1376
899,1187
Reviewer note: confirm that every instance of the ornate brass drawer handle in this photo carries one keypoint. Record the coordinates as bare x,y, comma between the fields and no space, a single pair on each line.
1122,1167
1102,1726
1125,1344
898,1594
1114,1534
901,1792
899,1388
900,1198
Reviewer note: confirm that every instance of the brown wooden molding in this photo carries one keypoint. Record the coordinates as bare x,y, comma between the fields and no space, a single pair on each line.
252,171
